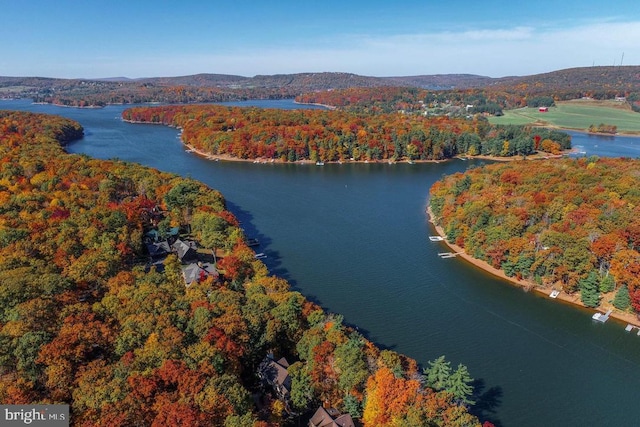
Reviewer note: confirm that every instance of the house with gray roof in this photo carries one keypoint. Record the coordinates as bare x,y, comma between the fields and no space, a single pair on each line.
198,271
158,249
185,250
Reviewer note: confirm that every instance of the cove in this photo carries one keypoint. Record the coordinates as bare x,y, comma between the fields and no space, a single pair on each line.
354,238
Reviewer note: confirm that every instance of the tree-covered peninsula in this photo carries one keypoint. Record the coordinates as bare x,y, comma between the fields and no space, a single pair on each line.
340,136
571,224
133,296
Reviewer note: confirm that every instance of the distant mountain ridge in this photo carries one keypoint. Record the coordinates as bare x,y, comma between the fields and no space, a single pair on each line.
616,76
504,92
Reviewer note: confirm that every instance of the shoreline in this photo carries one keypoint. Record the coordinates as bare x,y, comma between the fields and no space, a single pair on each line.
527,285
327,106
263,160
225,157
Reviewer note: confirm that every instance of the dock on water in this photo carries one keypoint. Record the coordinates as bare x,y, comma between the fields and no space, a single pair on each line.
436,238
630,328
602,317
253,242
447,254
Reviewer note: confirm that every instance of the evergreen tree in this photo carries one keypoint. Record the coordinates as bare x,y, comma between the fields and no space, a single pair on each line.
438,374
351,363
352,405
622,300
301,390
589,292
460,385
607,284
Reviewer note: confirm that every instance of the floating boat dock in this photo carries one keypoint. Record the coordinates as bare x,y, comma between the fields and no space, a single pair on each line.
253,242
261,255
554,294
602,317
447,254
436,238
630,327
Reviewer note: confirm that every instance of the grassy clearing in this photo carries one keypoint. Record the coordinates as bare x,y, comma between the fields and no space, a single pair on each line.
577,114
11,89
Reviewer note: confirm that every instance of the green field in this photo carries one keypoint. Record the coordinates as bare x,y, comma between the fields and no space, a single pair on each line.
578,115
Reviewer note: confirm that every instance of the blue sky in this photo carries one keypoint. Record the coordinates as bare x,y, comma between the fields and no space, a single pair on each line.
150,38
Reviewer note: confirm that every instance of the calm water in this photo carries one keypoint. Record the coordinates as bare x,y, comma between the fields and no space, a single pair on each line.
354,238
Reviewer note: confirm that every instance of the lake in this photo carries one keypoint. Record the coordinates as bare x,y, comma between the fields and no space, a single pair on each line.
354,238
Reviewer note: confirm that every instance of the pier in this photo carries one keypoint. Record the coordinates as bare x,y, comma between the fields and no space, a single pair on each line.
631,327
448,254
602,317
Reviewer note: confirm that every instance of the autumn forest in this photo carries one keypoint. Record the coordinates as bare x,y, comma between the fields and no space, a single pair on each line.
336,136
85,319
571,223
134,295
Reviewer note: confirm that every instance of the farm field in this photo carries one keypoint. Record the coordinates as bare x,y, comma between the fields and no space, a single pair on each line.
577,115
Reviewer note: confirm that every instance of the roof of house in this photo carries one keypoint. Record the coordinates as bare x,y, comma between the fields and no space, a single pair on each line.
155,234
184,250
276,372
158,248
324,418
195,271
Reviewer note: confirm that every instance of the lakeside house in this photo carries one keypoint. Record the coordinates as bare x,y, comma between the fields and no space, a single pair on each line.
185,250
275,374
153,235
197,272
330,418
158,249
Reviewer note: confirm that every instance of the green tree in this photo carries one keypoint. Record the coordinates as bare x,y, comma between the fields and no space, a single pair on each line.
351,364
27,351
210,229
301,390
589,293
182,197
460,385
438,373
352,405
622,300
233,391
200,322
391,360
246,420
173,271
607,284
289,315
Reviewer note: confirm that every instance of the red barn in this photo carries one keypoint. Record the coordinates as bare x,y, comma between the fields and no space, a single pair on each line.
543,109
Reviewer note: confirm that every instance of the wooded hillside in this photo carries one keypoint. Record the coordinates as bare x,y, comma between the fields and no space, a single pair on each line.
331,136
90,318
506,92
571,223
